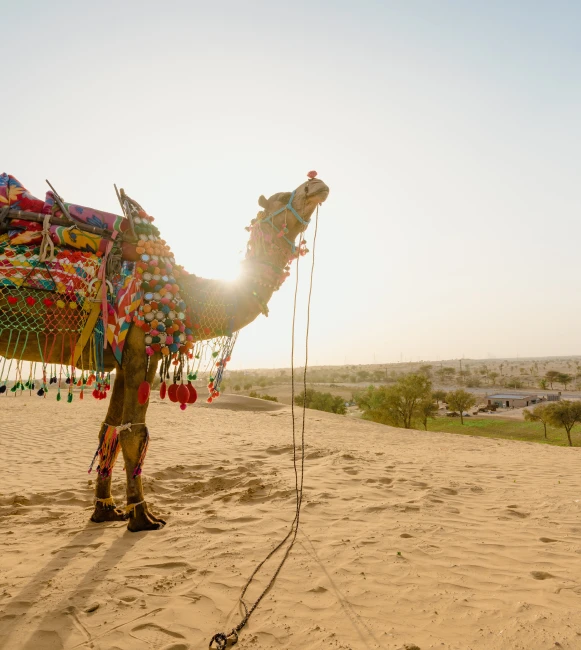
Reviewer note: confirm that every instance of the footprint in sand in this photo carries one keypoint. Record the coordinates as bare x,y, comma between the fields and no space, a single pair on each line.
279,450
406,535
517,513
547,540
541,575
155,635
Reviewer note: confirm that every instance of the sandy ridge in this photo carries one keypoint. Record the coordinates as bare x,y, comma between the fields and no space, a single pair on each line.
408,537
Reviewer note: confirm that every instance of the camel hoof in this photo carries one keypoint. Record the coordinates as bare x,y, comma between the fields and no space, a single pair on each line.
102,514
143,520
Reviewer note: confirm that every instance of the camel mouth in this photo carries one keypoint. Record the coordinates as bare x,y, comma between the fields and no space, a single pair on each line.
322,195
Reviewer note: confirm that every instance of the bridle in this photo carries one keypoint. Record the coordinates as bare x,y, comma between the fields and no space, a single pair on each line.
297,216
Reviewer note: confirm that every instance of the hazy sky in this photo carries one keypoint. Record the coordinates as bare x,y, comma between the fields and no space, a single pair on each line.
448,131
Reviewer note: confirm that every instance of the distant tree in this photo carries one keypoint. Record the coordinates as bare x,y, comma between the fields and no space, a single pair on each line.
460,400
565,414
248,385
446,374
539,414
564,379
426,370
513,382
543,383
551,376
321,401
492,376
439,396
236,387
363,375
397,405
427,408
464,376
378,375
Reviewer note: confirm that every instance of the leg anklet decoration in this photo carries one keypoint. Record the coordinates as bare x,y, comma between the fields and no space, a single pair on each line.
139,466
108,450
109,501
130,508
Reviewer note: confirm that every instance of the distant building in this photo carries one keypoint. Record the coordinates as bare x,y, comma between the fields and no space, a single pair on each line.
506,400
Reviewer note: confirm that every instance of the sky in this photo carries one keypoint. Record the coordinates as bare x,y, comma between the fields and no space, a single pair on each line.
448,133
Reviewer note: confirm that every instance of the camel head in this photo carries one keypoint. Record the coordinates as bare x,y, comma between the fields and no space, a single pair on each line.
306,198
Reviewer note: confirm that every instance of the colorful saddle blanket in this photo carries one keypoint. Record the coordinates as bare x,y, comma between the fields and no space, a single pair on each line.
14,195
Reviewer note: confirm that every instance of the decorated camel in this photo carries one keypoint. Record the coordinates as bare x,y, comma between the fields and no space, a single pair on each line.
82,291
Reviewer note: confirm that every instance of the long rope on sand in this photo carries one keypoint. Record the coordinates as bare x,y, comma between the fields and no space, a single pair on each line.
221,639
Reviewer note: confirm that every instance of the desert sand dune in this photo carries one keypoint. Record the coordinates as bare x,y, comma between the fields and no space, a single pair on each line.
408,539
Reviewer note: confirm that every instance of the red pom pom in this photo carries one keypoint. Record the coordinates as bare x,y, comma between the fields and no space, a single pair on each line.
47,302
143,392
172,392
30,300
312,174
162,390
183,394
12,300
193,394
183,406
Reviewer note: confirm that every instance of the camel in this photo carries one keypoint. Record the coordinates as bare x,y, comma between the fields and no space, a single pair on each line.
284,216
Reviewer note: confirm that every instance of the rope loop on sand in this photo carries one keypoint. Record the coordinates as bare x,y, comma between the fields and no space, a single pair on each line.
221,640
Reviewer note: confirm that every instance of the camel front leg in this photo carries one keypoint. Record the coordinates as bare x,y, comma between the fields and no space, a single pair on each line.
105,508
134,436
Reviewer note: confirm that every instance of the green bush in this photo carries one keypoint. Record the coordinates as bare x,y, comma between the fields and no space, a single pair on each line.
321,401
270,398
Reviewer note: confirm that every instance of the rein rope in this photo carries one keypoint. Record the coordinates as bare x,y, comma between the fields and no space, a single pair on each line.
221,639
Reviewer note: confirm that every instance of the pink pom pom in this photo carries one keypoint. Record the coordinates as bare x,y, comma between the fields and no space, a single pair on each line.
312,174
183,407
149,351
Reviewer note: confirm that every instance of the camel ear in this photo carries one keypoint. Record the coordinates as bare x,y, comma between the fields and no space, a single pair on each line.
262,201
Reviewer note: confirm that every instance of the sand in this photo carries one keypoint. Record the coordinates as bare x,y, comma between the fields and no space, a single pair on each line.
408,540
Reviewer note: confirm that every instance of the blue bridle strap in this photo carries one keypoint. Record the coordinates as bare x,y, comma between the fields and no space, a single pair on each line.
288,206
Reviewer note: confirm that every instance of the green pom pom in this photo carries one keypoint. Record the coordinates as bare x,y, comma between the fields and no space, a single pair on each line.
69,398
58,396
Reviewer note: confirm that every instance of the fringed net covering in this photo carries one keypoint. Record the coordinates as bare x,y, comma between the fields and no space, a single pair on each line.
53,297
